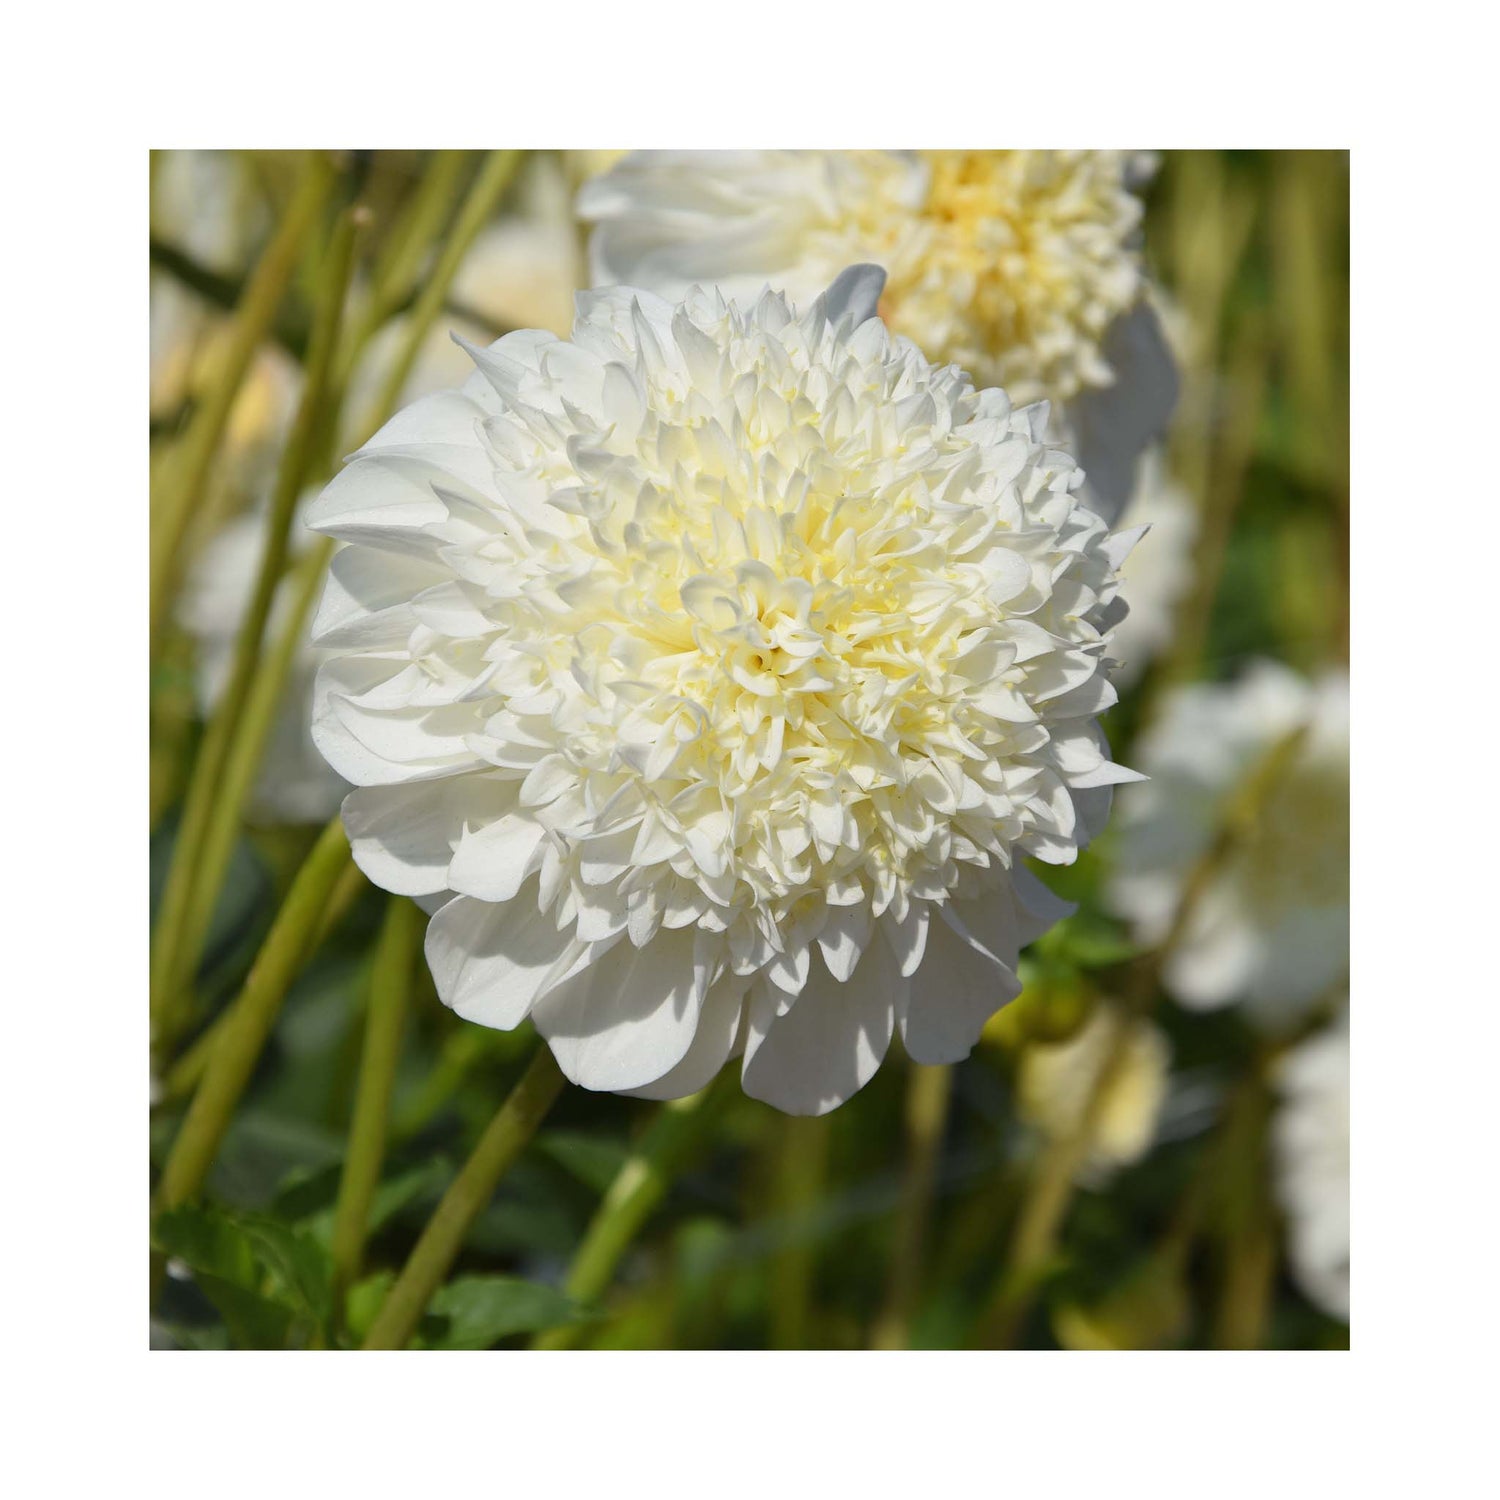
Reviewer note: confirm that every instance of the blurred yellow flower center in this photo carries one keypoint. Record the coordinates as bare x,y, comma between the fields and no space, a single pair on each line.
1017,264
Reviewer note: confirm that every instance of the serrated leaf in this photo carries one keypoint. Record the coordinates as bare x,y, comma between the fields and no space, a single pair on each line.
481,1310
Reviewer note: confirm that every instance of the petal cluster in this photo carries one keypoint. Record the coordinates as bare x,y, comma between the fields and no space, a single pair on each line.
716,667
1021,266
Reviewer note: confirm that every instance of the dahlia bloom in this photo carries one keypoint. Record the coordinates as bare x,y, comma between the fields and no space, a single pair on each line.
1312,1162
1021,266
1272,928
715,668
295,784
1058,1079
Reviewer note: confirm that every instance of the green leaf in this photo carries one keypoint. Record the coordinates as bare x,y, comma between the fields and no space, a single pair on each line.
484,1309
363,1302
254,1322
209,1242
298,1264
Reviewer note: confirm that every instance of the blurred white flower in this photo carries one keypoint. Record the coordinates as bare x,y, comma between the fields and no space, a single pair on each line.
200,206
1272,928
1312,1160
524,270
1058,1079
1019,265
724,661
295,784
1157,573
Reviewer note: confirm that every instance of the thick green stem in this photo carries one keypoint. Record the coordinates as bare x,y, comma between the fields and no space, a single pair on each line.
798,1190
254,1014
636,1192
929,1092
502,1142
390,992
180,486
174,953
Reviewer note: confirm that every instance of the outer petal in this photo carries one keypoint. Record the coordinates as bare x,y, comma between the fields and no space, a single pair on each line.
403,837
1114,425
491,963
958,988
629,1018
717,1039
829,1044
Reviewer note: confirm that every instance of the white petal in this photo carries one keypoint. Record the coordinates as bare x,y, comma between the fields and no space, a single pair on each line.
716,1040
855,292
403,837
492,860
630,1017
831,1041
958,988
491,963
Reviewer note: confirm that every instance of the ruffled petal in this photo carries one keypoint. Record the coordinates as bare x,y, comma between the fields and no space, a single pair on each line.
827,1046
630,1017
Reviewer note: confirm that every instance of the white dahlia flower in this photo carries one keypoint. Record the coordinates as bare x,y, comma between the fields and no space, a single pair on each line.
724,662
1058,1079
295,784
1272,928
1312,1162
1156,575
1021,266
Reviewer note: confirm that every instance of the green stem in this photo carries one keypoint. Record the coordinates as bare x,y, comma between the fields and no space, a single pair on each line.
394,277
638,1189
236,782
187,1072
390,991
502,1142
1050,1191
798,1190
484,197
180,486
929,1093
174,954
234,1057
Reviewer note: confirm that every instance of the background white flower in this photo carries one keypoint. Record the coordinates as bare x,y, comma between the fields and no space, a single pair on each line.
1273,927
1312,1159
1156,575
1021,266
1057,1080
724,661
295,784
199,207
